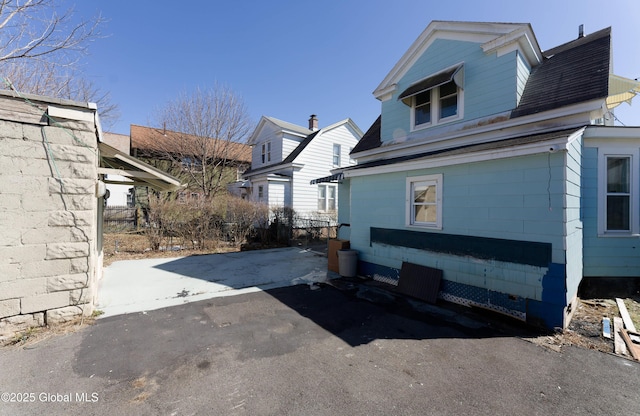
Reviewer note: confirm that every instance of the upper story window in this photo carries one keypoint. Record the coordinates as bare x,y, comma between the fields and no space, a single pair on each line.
266,152
437,105
436,99
336,155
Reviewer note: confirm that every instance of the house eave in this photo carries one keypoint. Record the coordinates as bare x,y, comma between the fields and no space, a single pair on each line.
574,116
427,162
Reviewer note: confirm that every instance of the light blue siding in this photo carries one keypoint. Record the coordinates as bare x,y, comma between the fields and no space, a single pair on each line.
603,256
490,83
573,223
504,199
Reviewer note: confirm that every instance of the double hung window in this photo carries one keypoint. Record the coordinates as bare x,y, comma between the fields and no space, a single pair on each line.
326,198
424,201
437,105
266,152
619,192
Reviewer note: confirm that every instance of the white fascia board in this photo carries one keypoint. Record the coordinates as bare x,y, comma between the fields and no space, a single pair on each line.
274,178
477,32
256,131
521,39
76,114
338,124
568,117
270,170
605,133
548,146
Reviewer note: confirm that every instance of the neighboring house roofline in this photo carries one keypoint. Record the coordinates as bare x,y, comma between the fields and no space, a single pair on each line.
284,126
158,140
307,140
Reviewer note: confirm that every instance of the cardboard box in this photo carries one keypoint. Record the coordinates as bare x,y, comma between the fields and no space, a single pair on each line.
334,246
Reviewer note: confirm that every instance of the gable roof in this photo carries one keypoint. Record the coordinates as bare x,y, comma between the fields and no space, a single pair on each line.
289,126
304,143
371,138
154,140
571,73
494,37
280,125
574,72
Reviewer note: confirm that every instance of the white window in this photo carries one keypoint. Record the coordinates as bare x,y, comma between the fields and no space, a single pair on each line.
326,198
618,192
424,201
437,105
266,152
260,192
336,155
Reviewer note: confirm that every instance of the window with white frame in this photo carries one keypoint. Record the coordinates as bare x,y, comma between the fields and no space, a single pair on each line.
266,152
618,205
424,201
326,198
437,105
336,154
260,192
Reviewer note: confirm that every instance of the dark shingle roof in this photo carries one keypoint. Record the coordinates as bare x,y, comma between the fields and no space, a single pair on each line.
571,73
471,148
371,138
292,156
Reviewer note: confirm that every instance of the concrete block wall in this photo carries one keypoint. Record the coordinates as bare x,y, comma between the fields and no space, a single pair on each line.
48,218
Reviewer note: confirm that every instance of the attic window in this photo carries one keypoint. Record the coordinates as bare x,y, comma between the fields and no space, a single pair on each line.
436,99
455,74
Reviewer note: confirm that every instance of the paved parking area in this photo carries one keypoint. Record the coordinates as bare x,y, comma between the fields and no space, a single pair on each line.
143,285
297,351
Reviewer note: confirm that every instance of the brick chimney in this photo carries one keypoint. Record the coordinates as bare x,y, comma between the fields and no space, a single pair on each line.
313,122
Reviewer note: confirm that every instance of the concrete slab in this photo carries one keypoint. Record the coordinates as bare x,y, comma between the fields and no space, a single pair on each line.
142,285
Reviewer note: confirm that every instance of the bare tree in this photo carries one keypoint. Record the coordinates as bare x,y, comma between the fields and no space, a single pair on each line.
45,78
33,29
40,49
204,135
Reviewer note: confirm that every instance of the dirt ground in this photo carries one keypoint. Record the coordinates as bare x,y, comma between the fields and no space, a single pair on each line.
585,329
132,246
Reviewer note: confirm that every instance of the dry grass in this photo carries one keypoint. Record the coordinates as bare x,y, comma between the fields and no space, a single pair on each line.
585,329
29,338
132,246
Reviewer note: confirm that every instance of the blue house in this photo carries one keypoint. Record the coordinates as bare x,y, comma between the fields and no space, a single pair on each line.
498,164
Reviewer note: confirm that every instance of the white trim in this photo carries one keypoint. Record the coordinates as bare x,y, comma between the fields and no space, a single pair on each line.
634,180
552,145
437,181
435,109
477,32
466,133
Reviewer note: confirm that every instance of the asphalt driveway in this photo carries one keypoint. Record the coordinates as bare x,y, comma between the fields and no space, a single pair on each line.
142,285
297,351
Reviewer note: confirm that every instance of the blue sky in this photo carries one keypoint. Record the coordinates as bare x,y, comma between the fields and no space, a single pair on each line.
289,59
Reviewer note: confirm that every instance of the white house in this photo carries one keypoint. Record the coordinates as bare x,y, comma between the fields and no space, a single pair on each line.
286,158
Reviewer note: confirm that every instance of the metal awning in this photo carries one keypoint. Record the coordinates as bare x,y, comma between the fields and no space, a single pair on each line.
455,74
338,177
136,172
621,90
